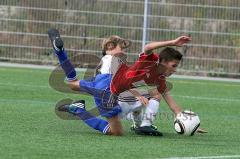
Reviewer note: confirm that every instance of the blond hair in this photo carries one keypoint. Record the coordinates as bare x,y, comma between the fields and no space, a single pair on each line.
114,40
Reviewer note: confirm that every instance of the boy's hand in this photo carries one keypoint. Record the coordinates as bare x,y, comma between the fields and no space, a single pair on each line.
143,100
181,40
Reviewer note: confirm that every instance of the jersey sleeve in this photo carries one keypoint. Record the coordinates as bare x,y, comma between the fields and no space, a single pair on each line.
144,62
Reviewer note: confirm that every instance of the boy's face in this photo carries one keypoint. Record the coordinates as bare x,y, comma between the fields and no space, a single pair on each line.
167,68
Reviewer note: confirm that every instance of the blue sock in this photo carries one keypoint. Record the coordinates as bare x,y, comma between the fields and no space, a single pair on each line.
66,64
92,121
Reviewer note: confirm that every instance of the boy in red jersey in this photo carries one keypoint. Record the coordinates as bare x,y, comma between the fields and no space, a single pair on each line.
168,61
151,68
148,61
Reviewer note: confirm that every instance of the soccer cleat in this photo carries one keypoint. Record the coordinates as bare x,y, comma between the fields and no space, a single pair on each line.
63,108
133,127
56,41
154,127
74,108
147,130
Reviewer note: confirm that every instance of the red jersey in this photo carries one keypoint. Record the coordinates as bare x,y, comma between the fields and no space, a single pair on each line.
127,75
156,79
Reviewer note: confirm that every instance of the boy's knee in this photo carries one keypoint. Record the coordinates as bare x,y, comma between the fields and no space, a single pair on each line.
74,85
115,126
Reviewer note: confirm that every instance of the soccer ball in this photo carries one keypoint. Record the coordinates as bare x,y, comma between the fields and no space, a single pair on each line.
186,123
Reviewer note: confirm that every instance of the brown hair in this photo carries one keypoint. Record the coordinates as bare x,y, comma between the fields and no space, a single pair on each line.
169,54
113,41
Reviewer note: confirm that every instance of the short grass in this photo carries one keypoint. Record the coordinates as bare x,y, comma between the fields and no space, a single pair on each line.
30,129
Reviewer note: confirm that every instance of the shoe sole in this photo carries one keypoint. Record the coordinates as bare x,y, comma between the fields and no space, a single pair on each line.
53,34
55,38
56,41
144,131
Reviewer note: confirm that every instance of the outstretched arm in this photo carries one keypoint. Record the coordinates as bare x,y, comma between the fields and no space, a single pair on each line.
171,103
148,48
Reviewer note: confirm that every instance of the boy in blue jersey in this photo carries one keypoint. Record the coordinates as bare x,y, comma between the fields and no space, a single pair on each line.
98,86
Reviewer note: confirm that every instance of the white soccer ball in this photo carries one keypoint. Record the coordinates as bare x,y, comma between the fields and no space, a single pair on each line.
186,123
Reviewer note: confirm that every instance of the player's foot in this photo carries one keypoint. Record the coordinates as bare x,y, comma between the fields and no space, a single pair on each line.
147,130
56,41
133,127
63,108
74,108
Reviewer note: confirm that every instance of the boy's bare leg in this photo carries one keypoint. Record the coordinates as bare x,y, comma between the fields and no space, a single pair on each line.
115,126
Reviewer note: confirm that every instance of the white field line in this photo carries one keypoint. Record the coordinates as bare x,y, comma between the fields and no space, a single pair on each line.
51,67
24,85
5,64
25,101
209,98
186,97
178,96
204,157
181,77
30,66
228,84
205,78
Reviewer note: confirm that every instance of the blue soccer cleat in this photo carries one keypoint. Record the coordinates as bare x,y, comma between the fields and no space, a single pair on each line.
74,108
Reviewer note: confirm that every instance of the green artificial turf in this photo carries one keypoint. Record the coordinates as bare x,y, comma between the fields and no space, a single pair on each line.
29,127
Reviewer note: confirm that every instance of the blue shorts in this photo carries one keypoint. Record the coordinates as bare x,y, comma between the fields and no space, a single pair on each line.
99,88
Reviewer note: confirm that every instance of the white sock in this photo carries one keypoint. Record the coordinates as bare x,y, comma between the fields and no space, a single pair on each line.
150,112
